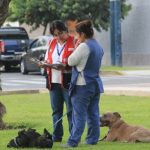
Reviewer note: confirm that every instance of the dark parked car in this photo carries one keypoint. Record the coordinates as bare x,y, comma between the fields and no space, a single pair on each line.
37,49
12,43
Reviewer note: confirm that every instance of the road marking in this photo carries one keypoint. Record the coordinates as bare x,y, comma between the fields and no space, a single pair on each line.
9,84
27,82
22,84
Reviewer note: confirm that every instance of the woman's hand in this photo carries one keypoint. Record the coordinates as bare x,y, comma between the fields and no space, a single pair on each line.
59,66
41,64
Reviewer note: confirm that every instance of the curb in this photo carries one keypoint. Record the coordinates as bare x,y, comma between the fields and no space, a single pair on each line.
23,92
108,91
110,73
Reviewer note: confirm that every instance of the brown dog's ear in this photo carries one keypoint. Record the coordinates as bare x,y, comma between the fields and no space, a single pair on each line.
117,114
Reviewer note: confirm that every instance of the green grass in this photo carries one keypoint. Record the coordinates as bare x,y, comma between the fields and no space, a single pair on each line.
33,110
116,68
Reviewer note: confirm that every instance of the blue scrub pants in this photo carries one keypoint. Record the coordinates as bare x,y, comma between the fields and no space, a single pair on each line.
85,103
58,96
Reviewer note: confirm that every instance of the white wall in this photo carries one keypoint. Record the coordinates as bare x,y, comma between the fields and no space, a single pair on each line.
135,36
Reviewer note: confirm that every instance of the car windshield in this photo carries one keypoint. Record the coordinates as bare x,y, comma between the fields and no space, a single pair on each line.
13,36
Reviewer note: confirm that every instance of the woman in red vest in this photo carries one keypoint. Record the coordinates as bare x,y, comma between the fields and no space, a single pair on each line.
59,75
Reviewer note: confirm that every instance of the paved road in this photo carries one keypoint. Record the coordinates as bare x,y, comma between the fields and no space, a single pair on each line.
17,81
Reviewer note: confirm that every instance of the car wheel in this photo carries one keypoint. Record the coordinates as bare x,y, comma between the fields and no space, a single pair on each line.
7,67
23,68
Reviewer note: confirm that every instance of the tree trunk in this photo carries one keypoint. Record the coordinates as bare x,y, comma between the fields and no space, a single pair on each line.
45,27
4,5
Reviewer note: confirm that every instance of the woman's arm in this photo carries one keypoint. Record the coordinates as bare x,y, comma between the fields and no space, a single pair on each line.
81,52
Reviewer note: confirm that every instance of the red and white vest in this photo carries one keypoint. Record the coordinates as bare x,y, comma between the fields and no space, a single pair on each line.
68,49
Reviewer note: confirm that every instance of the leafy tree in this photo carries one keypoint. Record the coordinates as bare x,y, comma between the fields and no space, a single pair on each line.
97,10
34,12
4,4
42,12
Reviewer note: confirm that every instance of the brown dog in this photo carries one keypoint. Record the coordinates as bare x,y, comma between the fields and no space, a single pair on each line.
121,131
2,112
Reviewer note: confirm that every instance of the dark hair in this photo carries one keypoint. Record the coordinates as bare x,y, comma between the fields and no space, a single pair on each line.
57,24
86,28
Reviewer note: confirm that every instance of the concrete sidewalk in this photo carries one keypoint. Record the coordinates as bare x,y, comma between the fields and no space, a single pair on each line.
128,91
136,72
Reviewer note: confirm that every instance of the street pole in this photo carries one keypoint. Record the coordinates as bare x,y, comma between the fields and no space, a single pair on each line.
115,32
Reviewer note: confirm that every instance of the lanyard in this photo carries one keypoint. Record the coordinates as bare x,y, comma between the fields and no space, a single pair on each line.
60,51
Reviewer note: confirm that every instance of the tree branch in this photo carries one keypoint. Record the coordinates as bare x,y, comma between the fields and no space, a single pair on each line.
4,5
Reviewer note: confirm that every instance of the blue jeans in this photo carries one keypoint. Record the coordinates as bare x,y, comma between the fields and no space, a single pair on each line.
85,102
58,96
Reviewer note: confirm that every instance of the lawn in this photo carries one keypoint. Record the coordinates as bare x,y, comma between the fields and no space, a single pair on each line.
33,110
117,68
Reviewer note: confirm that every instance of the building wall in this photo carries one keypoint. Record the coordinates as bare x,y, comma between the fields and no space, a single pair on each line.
135,36
35,33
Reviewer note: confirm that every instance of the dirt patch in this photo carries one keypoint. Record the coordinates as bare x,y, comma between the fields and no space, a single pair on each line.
11,127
